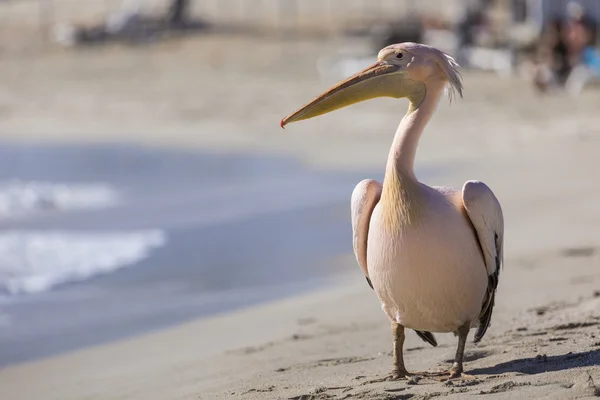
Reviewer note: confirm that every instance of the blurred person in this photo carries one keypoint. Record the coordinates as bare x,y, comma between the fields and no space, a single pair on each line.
472,23
552,64
585,56
565,47
473,20
178,12
578,32
580,37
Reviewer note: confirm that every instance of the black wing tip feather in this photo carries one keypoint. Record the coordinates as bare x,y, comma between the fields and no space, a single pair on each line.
486,316
481,332
427,337
484,321
369,282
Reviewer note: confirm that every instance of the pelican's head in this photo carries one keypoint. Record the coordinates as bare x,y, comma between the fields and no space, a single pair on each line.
401,70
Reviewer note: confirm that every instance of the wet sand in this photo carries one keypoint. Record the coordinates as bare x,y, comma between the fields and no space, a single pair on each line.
538,154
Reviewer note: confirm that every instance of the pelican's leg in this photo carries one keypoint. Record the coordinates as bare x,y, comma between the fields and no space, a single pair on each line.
400,371
456,371
399,368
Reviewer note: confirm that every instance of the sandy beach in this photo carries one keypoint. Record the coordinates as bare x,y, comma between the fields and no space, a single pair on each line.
226,95
330,343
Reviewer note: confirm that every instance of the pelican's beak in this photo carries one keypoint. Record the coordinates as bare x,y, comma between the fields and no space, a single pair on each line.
377,80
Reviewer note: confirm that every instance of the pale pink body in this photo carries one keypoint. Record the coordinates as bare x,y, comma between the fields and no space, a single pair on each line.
431,276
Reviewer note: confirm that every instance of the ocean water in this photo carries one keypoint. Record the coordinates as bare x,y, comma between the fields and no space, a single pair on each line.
99,243
32,262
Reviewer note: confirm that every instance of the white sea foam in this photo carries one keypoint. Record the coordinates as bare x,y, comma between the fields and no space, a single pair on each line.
18,198
33,262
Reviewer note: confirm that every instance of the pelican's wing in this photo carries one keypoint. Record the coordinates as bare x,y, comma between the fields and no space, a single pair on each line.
365,197
485,213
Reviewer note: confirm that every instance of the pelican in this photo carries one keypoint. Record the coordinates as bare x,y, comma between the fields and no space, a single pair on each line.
431,254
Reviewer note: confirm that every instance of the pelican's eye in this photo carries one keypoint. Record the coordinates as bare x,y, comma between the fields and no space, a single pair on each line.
399,55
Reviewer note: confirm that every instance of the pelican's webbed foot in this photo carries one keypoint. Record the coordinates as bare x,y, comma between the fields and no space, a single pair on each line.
397,375
402,375
456,372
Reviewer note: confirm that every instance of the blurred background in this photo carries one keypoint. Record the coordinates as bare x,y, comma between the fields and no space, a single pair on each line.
144,179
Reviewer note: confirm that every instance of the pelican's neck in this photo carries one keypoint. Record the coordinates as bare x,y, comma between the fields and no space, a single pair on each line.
423,102
401,191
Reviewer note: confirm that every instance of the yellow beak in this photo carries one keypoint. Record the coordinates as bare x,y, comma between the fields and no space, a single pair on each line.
377,80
